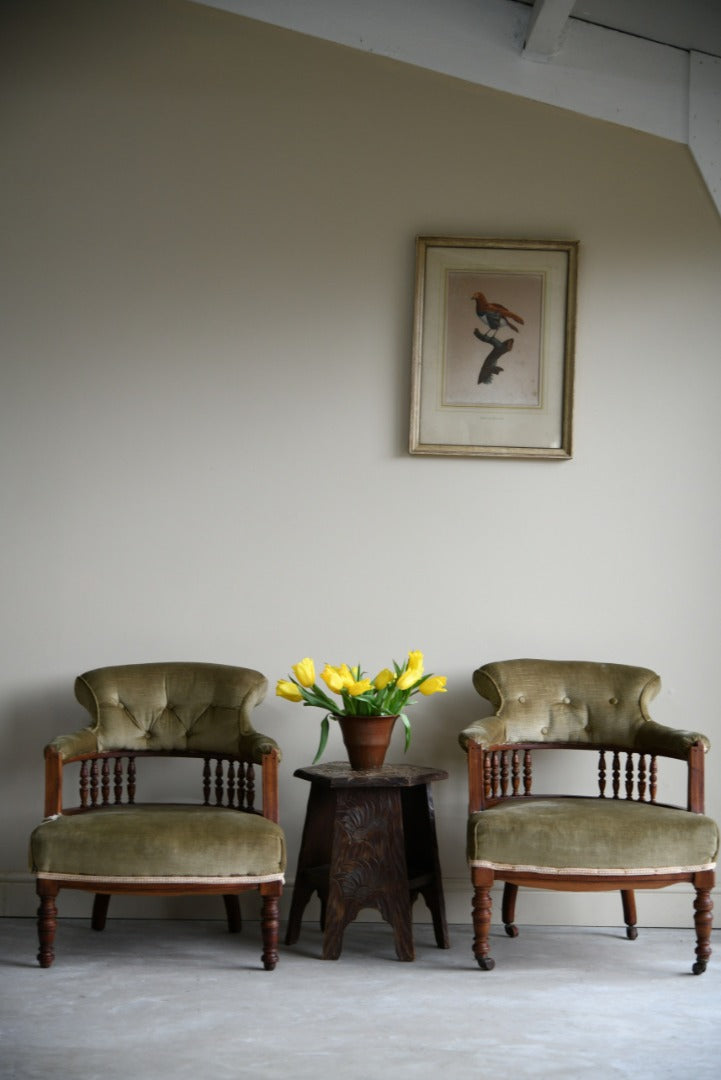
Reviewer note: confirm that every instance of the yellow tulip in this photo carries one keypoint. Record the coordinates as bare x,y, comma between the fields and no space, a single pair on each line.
434,684
289,690
415,660
346,675
383,678
332,679
413,671
305,672
361,687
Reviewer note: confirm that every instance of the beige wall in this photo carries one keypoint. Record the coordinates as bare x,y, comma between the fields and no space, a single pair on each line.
209,240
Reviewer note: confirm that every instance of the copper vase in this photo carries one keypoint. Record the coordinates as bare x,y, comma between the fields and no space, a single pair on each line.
366,739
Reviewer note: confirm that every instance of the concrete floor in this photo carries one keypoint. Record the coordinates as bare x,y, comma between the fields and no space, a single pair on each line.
150,1000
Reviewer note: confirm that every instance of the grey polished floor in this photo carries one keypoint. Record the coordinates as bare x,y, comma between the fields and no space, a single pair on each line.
168,999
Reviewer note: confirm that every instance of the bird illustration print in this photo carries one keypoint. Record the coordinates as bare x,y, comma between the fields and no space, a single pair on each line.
494,316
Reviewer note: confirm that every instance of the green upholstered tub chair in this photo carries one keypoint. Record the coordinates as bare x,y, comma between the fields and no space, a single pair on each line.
621,837
227,841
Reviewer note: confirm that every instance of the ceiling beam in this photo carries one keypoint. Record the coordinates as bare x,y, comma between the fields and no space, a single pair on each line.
705,120
546,27
597,72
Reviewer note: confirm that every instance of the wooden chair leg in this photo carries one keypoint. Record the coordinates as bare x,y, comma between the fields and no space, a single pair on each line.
100,911
47,920
482,906
508,908
628,899
270,922
232,912
703,919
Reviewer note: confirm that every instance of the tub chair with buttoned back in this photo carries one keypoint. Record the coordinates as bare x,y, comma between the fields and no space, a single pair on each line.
226,841
621,837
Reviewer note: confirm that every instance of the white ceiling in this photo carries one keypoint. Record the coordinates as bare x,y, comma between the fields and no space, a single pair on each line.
652,65
685,24
682,24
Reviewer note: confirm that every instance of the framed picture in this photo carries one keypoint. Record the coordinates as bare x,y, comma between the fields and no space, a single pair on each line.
493,345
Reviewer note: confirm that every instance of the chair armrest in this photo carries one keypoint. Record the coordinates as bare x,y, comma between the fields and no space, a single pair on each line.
84,741
257,745
654,738
491,731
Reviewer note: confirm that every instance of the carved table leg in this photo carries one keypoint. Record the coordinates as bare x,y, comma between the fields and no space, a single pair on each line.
433,896
421,847
100,911
47,920
270,923
368,868
323,894
628,899
703,908
482,881
302,892
314,852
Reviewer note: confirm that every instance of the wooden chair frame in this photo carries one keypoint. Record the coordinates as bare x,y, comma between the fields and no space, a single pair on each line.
230,782
504,772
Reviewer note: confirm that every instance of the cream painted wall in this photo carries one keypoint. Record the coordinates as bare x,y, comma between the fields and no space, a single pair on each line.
207,283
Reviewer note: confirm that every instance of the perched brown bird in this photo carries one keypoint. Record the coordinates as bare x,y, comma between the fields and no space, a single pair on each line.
494,315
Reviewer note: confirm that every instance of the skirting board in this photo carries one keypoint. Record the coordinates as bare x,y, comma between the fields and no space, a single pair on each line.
670,907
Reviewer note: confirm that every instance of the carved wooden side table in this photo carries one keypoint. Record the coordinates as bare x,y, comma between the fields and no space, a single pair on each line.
369,841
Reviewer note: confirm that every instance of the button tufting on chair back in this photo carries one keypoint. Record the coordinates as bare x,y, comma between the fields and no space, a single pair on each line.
568,700
171,706
226,840
625,836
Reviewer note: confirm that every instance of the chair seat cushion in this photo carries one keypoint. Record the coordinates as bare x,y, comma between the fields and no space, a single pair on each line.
566,834
159,841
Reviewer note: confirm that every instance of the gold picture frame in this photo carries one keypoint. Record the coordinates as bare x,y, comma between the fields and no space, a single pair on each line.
493,347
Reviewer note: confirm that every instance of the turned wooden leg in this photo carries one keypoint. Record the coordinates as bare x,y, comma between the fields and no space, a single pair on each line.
628,899
232,912
482,905
270,923
100,911
508,908
47,920
703,919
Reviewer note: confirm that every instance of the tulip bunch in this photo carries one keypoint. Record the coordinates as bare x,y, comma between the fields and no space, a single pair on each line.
387,694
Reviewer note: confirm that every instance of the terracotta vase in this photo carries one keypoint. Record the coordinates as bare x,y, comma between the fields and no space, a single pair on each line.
366,739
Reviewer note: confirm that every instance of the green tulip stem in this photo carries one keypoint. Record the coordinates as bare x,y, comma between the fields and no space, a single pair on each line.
407,726
324,729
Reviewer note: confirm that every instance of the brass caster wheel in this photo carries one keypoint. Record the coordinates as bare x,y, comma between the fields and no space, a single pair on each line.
631,933
511,929
486,963
699,967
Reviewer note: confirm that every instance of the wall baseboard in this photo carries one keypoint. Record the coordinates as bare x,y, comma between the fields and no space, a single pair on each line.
671,907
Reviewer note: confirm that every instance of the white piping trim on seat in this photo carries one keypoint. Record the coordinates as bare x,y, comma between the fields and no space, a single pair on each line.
591,871
235,879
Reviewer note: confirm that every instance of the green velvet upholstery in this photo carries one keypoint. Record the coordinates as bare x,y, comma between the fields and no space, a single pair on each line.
621,837
227,842
169,706
574,702
611,835
159,841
